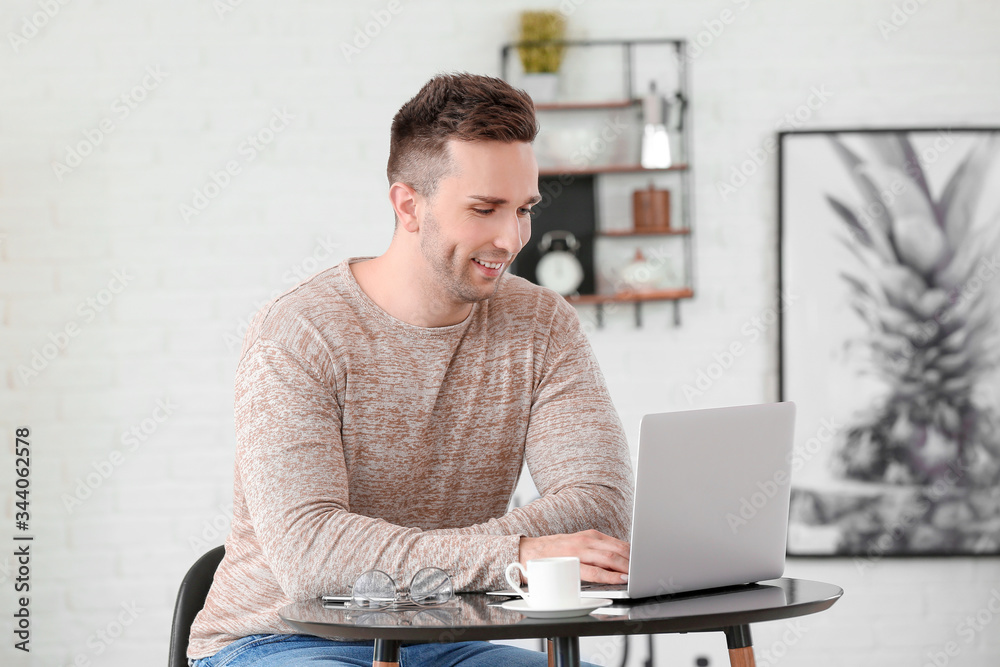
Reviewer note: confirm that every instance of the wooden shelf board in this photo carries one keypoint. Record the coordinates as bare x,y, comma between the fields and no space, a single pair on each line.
633,297
571,106
608,169
644,232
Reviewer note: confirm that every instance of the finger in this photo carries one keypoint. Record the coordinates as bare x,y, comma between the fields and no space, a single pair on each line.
612,547
605,560
599,575
619,548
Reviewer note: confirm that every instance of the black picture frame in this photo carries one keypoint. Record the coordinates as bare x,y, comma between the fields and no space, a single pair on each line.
889,339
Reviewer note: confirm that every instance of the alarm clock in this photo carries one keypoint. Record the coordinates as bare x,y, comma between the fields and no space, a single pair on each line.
559,269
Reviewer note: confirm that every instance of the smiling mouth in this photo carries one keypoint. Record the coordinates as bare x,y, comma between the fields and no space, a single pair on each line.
488,265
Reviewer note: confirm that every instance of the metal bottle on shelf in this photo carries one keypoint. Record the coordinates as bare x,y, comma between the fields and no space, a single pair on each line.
655,138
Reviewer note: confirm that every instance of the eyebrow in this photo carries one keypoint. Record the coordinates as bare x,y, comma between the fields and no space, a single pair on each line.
500,201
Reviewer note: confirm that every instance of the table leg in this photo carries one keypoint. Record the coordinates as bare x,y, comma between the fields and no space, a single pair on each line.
566,652
740,646
386,653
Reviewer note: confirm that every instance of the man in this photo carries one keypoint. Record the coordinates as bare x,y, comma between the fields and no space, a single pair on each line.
384,407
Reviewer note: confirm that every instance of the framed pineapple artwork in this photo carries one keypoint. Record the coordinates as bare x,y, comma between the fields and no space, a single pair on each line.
890,340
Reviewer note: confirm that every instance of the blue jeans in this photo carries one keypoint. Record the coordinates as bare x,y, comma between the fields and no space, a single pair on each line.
279,650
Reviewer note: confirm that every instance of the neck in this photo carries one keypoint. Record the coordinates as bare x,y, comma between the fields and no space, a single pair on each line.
400,285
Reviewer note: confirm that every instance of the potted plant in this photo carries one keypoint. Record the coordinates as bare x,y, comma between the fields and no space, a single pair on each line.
541,61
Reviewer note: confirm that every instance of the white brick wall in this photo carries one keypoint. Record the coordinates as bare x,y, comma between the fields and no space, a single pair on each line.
168,334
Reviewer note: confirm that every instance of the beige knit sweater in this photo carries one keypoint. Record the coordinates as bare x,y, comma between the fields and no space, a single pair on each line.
365,442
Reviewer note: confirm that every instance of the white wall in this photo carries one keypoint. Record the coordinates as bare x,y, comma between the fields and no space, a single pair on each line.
134,312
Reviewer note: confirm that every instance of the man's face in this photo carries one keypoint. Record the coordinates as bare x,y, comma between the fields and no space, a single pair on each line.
479,217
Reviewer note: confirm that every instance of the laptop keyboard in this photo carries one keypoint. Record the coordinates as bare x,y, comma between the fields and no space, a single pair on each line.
603,587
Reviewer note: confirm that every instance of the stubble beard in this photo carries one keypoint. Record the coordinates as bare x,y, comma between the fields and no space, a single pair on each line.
453,272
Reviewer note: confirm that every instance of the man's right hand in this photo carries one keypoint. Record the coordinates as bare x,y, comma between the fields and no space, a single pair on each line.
603,559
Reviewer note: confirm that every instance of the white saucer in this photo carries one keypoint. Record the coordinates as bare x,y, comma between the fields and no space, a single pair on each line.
585,606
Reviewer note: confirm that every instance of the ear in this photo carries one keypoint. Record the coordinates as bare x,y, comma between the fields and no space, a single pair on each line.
404,201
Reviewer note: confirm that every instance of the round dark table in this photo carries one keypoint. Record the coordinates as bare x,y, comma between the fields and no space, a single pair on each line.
476,617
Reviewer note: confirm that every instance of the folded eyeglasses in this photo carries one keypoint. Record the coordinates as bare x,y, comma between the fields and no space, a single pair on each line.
375,589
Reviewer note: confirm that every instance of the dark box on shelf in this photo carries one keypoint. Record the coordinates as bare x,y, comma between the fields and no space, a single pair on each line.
568,205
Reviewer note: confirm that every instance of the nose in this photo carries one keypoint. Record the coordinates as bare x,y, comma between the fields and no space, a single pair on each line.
513,234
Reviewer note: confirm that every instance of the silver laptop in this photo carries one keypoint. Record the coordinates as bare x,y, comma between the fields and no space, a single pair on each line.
711,500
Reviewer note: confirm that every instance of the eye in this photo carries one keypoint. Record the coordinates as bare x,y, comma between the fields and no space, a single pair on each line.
483,211
525,212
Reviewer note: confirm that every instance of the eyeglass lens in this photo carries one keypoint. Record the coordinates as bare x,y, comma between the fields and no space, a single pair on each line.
430,586
373,589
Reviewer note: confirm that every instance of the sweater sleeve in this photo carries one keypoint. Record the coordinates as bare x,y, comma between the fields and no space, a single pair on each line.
576,449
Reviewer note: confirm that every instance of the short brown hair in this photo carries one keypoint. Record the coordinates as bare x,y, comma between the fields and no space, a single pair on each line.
466,107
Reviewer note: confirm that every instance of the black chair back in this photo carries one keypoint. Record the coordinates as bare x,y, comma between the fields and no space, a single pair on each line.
190,599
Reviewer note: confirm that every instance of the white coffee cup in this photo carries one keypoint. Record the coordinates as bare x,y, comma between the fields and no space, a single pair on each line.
554,582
